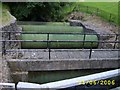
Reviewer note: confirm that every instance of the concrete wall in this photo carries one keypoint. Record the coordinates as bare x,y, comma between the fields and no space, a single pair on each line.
21,68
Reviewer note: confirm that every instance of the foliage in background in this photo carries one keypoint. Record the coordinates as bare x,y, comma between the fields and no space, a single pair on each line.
58,11
42,11
119,13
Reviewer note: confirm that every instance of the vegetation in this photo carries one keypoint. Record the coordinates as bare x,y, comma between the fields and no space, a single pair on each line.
107,10
110,7
58,11
42,11
4,17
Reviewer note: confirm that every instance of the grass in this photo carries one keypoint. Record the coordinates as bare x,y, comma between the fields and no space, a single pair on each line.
4,17
105,9
110,7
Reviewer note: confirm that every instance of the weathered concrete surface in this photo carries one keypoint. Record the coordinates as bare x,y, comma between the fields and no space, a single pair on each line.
62,64
5,75
63,53
20,76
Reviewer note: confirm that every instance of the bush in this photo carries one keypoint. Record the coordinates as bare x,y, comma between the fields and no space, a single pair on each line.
42,11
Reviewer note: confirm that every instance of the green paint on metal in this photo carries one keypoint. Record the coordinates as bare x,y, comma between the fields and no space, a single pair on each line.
51,28
43,23
34,44
69,45
54,28
58,23
73,44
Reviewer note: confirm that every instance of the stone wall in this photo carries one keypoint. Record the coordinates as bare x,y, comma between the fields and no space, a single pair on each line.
5,73
11,36
12,30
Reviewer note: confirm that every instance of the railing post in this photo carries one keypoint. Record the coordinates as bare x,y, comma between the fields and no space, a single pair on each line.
3,48
110,17
97,11
90,50
48,40
115,42
84,40
48,46
87,9
103,44
9,37
49,54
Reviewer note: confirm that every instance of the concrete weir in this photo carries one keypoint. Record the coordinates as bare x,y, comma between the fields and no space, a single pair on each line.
34,70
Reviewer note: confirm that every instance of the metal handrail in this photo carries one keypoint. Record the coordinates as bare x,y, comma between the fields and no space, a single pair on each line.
58,50
49,41
37,32
59,41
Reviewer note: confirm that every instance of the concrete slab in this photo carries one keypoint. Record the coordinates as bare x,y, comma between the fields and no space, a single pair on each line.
66,53
62,64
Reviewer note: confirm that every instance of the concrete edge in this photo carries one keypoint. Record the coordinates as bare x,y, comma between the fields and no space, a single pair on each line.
45,65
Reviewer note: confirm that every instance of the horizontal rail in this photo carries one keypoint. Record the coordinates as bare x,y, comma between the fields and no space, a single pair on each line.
55,33
49,51
55,50
58,41
58,50
48,47
51,33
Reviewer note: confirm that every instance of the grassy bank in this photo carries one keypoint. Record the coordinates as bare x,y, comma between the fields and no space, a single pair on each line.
106,10
110,7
